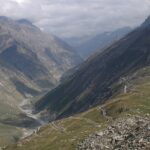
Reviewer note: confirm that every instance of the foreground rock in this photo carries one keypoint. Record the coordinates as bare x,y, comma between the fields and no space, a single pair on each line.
125,134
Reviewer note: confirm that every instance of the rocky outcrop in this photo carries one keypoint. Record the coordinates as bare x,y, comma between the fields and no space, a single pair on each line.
132,133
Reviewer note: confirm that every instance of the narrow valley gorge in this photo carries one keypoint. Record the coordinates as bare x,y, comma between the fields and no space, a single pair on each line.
31,64
74,77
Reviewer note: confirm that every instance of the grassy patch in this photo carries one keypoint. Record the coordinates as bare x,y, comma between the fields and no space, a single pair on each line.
8,135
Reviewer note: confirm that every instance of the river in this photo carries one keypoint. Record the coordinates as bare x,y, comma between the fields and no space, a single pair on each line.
26,108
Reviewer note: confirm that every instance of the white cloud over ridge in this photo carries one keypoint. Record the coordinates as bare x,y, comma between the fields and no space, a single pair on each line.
71,18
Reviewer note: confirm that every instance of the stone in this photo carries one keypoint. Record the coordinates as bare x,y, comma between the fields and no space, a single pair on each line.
131,133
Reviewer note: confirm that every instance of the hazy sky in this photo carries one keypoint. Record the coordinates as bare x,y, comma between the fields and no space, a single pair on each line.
72,18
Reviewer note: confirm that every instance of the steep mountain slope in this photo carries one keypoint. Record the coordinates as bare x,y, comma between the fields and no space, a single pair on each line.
31,63
26,52
56,55
96,79
70,133
101,41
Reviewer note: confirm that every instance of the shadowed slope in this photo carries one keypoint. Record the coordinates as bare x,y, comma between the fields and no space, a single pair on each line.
95,81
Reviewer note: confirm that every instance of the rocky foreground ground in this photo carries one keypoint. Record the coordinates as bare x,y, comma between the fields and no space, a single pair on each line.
132,133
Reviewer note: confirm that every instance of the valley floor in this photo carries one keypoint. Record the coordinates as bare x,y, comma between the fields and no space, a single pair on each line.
26,108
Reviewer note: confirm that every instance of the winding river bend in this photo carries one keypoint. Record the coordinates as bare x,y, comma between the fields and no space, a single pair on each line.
26,108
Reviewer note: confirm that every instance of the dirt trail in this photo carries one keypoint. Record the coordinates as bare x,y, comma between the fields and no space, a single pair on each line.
104,113
87,120
58,127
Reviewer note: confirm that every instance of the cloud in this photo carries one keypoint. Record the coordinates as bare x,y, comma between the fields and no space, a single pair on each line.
72,18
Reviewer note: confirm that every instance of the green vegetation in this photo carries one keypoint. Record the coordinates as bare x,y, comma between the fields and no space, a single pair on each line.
66,133
8,134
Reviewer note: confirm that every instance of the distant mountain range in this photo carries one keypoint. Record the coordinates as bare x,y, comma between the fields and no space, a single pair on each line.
101,42
40,57
98,78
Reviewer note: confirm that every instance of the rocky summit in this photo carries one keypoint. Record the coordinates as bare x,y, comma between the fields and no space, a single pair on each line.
125,134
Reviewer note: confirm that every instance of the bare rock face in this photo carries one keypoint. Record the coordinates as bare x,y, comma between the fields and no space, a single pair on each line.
125,134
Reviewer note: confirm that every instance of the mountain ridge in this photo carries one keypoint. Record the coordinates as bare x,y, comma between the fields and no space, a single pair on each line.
96,84
101,41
